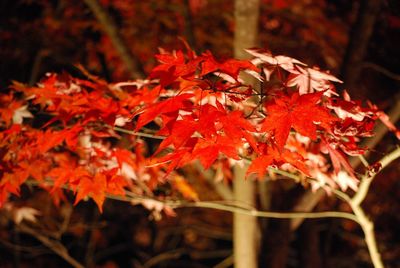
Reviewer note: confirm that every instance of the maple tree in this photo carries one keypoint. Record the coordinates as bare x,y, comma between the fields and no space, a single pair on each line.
200,109
87,135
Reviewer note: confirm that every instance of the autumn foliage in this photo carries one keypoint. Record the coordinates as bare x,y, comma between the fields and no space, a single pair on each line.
100,139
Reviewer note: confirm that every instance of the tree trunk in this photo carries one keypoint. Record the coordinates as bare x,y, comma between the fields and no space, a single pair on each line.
246,26
245,227
245,242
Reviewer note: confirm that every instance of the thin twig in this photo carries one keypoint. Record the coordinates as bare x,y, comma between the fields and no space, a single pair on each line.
201,230
90,244
65,223
225,263
188,26
173,254
34,251
381,69
267,214
366,180
54,245
139,134
40,55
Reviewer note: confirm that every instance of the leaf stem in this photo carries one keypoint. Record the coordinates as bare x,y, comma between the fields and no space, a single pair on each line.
139,134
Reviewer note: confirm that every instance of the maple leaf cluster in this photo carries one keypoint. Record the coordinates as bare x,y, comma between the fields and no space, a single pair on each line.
95,138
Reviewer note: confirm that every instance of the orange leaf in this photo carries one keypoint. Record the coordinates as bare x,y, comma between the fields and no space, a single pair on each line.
184,188
93,187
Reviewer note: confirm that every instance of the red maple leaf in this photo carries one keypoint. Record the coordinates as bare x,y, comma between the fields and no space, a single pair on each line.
207,150
303,113
272,156
180,102
232,67
338,159
174,65
215,131
181,131
49,139
95,187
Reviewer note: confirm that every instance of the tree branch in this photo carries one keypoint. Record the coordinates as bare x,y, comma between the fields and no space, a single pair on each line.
227,262
381,69
139,134
268,214
368,229
310,199
110,28
54,245
366,224
360,35
366,180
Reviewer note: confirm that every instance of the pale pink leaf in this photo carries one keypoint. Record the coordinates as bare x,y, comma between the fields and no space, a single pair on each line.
309,80
25,213
344,180
21,113
285,62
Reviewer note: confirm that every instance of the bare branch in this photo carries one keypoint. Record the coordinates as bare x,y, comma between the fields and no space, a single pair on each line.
54,245
381,69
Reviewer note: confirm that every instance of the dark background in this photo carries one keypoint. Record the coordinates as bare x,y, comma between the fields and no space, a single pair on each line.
356,40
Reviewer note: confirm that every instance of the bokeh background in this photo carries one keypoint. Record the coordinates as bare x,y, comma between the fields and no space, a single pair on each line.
356,40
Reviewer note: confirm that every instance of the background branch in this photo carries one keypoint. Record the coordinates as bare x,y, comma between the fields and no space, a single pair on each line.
360,35
54,245
111,29
381,70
